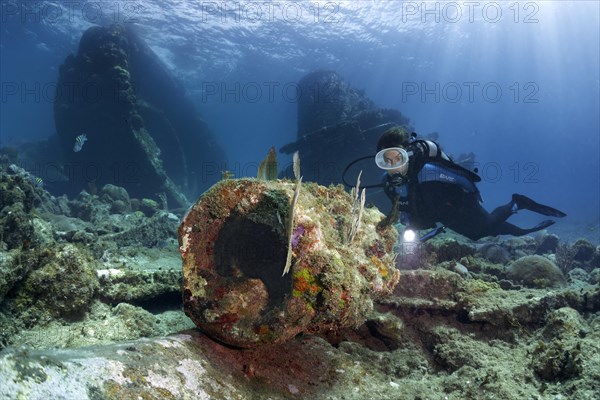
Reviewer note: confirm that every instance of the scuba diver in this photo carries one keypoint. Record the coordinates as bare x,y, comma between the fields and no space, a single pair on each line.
427,187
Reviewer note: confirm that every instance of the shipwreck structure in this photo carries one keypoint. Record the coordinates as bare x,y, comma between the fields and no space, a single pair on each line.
336,125
142,132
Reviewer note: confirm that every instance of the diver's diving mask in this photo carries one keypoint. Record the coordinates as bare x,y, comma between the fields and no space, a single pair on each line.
392,158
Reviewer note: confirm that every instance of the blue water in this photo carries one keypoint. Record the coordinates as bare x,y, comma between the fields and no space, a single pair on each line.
517,83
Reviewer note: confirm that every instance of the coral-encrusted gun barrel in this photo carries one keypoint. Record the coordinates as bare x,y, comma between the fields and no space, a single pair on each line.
234,243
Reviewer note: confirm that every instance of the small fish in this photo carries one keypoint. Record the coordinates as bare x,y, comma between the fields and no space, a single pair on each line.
79,141
267,170
226,175
37,181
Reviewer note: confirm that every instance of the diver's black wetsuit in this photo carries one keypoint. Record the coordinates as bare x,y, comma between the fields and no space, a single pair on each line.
441,191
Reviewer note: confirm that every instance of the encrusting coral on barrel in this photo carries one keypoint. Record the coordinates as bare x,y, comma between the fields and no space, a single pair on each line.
234,244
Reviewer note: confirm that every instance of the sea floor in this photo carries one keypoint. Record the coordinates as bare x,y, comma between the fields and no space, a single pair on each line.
90,308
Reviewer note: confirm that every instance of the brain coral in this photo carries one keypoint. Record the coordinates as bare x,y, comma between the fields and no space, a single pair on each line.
536,271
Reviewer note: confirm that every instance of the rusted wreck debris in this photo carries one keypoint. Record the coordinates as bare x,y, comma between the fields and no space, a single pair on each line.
234,244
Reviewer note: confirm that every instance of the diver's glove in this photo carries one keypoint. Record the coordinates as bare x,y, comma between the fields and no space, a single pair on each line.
397,180
433,233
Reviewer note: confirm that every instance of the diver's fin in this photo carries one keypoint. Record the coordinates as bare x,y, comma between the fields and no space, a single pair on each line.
542,225
524,202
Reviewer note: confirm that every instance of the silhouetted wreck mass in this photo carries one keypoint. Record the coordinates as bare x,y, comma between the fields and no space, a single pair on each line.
142,132
336,125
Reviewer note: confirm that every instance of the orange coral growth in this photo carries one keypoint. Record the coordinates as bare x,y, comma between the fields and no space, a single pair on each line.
263,330
300,284
345,295
381,267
